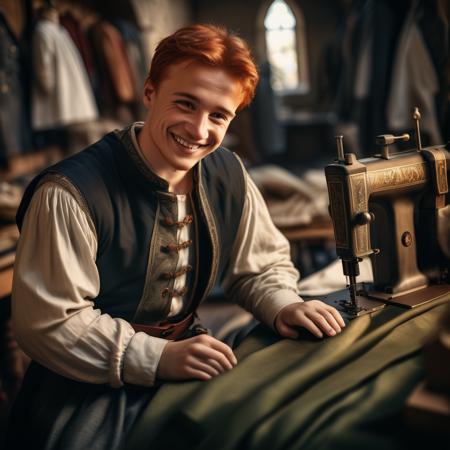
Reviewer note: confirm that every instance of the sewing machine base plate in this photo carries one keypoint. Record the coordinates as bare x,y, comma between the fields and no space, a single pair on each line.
340,300
413,299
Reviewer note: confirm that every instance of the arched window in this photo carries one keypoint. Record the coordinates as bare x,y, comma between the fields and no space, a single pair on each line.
285,47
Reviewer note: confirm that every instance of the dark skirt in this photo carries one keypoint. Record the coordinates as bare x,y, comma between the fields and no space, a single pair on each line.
54,412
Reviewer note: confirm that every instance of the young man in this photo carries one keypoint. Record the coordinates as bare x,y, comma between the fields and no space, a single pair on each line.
121,242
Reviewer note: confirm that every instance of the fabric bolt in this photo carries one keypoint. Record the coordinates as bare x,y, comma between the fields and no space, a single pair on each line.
339,393
62,94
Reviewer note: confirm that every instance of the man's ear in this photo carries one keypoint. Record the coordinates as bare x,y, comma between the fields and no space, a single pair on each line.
149,90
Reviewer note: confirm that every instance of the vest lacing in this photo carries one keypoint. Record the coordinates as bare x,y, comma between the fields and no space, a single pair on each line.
174,292
172,247
179,224
178,273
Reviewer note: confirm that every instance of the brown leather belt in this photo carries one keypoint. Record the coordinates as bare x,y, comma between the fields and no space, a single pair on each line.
166,330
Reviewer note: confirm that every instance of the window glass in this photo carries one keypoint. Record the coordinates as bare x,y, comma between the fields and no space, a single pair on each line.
281,44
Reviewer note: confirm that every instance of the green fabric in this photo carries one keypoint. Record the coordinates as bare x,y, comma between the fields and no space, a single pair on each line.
338,393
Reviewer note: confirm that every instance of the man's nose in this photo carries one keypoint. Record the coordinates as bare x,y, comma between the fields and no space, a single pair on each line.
197,127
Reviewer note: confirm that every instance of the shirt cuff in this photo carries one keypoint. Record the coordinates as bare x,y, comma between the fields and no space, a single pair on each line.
274,303
141,359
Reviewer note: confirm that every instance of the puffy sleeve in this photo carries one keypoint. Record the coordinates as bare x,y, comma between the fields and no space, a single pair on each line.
261,276
53,313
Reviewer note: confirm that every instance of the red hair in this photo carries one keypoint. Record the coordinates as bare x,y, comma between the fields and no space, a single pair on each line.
210,45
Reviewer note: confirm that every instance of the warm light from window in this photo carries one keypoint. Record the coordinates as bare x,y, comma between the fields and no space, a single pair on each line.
280,34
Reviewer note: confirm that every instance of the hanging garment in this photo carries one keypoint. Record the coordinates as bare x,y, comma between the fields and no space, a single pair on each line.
414,82
12,111
134,50
62,94
364,71
116,78
434,26
79,38
268,131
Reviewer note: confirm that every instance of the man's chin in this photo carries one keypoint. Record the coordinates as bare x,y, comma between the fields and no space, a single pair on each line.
188,161
184,167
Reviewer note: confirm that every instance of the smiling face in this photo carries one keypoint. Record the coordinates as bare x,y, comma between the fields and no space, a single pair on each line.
188,115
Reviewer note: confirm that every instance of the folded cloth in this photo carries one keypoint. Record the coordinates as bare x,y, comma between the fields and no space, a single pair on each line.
291,200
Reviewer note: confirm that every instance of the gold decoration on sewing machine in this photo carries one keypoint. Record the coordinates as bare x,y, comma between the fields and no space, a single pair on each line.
386,207
407,175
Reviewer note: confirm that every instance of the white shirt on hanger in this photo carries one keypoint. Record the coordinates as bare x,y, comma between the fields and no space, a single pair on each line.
62,94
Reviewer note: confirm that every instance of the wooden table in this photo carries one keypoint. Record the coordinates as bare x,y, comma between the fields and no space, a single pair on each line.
306,241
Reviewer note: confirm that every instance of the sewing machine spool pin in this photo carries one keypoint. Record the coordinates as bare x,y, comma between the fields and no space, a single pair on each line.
416,118
387,139
340,147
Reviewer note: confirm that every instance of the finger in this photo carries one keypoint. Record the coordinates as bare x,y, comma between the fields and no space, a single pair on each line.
197,374
311,327
225,350
216,365
321,322
320,306
337,316
204,367
204,352
331,320
222,348
287,331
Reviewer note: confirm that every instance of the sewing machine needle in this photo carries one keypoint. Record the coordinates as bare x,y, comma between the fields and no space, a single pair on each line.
352,289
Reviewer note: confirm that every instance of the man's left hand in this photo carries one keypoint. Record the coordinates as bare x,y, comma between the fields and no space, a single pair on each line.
314,315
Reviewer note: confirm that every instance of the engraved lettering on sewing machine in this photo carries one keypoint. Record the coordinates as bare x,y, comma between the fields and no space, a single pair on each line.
358,193
401,176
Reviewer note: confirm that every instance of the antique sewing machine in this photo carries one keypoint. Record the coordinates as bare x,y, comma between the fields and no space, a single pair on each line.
386,208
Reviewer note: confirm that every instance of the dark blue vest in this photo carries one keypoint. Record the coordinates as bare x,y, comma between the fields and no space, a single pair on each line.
119,193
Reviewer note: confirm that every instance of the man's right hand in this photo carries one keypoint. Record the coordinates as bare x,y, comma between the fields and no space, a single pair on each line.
200,357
